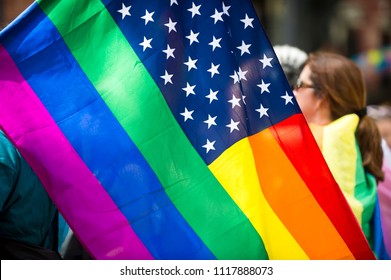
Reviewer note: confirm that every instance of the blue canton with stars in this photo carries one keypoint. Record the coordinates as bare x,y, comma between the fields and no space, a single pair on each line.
214,65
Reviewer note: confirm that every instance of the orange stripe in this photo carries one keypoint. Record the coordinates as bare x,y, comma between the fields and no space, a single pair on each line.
294,204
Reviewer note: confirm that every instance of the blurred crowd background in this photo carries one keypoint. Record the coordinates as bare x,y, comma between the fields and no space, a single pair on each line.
358,29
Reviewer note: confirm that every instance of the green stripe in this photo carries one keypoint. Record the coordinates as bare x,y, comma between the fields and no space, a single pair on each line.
365,192
122,80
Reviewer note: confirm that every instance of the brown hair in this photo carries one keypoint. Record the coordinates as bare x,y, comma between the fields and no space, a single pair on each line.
340,81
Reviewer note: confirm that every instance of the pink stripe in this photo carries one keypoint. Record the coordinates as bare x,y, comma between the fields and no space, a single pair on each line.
98,222
384,191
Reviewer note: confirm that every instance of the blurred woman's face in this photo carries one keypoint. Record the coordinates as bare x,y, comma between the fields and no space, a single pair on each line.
305,95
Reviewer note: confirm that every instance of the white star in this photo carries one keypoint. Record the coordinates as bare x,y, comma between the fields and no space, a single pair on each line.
195,10
167,77
191,64
212,95
124,11
171,25
225,9
244,48
217,16
146,43
210,121
234,101
247,22
169,52
288,98
209,145
173,2
262,111
148,17
233,126
193,37
242,74
214,69
264,87
266,61
235,77
189,89
187,114
243,99
215,43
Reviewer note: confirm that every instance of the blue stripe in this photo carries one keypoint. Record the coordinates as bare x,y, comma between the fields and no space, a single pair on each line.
379,247
48,66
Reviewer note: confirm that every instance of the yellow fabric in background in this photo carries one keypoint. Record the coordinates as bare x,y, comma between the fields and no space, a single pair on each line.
338,144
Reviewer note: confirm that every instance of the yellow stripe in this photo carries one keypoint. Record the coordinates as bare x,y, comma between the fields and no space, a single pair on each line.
339,151
235,170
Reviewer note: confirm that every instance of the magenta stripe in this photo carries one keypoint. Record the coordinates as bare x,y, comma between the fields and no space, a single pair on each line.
101,224
384,192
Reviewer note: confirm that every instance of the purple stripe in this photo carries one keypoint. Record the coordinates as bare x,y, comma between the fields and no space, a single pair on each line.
49,153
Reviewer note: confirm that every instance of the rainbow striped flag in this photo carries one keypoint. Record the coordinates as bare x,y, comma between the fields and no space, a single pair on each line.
340,149
368,199
166,130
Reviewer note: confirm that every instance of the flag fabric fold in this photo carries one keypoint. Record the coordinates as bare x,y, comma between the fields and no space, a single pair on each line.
368,198
167,130
338,143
